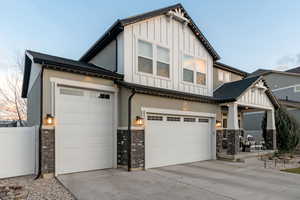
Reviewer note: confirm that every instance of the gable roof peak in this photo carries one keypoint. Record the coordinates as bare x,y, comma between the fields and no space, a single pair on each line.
178,11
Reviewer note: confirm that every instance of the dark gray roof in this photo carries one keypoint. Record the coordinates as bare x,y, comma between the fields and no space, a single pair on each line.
294,70
63,64
259,72
231,69
232,90
263,72
118,27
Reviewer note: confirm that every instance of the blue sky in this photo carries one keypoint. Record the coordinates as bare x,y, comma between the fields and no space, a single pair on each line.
247,34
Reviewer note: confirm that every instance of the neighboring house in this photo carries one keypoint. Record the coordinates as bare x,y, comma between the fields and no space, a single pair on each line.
154,77
286,87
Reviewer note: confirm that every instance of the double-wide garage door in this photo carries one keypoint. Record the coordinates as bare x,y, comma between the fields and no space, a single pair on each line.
177,139
84,130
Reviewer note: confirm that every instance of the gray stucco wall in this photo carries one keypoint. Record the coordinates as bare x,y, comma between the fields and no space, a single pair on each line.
34,103
107,57
149,101
275,81
217,83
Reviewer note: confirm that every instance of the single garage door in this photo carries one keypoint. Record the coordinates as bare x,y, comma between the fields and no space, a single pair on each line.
84,130
177,139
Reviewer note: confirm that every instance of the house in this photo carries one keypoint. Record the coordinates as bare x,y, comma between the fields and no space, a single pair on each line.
285,85
148,93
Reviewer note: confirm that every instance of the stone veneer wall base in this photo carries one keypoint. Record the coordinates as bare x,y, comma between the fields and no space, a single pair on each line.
137,149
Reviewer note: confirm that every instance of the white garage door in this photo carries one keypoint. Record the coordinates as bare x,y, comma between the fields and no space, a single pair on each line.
84,130
177,139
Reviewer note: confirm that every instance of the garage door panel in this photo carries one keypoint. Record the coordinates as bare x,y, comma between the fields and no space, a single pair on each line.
84,129
173,142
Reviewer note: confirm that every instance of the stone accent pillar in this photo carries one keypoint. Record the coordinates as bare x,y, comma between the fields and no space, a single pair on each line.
219,141
137,148
47,151
233,141
271,143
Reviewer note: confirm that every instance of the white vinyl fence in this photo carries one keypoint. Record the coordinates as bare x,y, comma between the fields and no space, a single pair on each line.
18,151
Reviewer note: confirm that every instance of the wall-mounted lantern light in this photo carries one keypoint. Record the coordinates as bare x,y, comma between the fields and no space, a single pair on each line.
139,120
49,120
218,124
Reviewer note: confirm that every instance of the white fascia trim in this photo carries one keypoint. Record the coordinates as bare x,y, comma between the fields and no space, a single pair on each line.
177,112
287,87
253,113
83,84
255,106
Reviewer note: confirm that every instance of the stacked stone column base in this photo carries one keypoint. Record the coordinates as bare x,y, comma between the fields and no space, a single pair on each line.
271,139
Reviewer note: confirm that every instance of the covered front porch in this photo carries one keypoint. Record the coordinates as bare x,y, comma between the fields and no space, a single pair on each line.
232,141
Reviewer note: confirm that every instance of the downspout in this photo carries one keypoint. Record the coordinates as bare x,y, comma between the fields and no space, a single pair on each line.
129,129
40,128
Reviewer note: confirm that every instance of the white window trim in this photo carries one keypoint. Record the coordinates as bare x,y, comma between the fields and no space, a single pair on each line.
154,44
295,88
194,70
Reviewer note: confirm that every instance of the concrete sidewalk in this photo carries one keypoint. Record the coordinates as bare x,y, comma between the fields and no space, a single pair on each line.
201,180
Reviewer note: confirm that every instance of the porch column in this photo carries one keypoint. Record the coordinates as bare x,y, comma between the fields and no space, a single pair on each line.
271,130
233,131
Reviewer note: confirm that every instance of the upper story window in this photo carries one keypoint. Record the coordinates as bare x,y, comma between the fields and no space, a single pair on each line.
223,76
145,57
297,88
194,70
153,59
163,62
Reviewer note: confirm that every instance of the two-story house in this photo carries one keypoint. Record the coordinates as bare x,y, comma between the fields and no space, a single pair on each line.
148,93
285,85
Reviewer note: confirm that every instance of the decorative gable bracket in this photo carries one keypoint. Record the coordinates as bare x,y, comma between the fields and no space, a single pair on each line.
178,14
260,85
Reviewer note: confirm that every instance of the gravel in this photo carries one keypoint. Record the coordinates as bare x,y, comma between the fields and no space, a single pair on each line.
46,189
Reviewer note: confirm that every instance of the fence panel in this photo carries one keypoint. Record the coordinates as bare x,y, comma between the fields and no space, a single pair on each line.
17,151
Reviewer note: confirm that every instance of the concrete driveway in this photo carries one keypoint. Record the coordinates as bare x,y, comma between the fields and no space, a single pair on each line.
202,180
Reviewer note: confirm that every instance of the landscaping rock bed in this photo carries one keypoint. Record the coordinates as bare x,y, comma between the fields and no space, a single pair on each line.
26,188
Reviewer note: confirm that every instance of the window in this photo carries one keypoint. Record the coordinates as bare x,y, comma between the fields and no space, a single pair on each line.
173,119
297,88
145,57
223,76
163,59
189,119
153,59
194,70
203,120
155,118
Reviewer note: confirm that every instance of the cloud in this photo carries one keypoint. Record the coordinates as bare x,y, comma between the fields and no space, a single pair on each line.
287,62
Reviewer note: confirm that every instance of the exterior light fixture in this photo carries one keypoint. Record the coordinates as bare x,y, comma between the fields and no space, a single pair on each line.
139,120
218,124
49,120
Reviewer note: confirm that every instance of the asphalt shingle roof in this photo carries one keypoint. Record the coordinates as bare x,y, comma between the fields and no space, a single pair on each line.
232,90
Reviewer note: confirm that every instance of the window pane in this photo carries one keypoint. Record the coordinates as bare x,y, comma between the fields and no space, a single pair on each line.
145,49
220,75
163,69
187,61
145,65
188,75
163,55
224,123
201,78
227,77
200,66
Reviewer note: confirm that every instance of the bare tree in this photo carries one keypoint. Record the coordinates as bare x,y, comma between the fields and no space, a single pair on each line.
12,105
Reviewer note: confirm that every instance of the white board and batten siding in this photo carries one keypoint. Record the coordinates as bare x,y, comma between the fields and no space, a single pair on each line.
18,151
255,97
171,34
